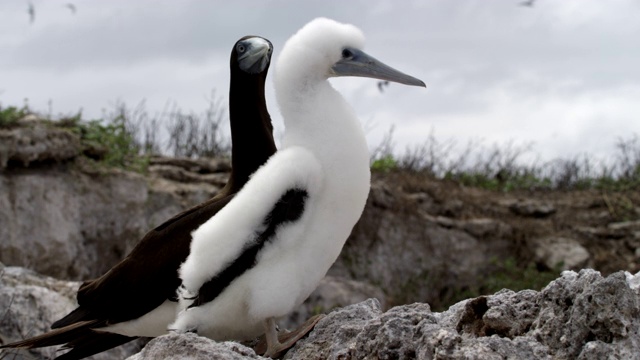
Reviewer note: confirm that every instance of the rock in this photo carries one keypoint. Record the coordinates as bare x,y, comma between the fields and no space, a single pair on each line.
335,336
30,303
381,195
69,225
553,251
585,308
419,239
633,282
193,347
439,220
601,232
72,225
510,314
181,175
37,142
331,293
578,316
74,222
200,166
484,227
417,256
533,208
625,225
421,198
452,207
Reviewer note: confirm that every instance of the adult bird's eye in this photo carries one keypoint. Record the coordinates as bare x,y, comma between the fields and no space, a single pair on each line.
347,54
240,48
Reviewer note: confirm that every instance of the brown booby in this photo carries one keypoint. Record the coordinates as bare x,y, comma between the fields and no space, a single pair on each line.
137,297
266,251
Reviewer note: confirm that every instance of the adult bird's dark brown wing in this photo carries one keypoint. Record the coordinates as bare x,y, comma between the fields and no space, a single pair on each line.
148,276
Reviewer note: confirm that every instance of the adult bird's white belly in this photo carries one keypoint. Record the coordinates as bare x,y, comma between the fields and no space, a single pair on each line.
151,324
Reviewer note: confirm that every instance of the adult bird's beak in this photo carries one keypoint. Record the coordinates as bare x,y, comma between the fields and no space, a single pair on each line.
356,62
257,55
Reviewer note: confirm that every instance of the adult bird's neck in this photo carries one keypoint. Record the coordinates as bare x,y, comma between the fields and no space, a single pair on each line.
251,128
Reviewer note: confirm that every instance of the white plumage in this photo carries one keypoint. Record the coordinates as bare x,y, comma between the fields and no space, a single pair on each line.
267,289
325,154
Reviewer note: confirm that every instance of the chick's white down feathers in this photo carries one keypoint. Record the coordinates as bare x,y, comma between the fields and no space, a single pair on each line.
325,154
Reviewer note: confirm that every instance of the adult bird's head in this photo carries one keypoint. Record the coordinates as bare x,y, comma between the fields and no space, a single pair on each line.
325,48
252,55
251,128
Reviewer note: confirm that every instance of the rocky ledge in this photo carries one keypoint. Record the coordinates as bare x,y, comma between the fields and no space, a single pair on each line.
578,316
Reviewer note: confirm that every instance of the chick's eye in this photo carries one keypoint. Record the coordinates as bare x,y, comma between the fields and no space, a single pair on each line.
347,54
240,48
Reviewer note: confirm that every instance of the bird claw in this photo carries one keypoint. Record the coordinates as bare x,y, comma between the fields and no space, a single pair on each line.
286,339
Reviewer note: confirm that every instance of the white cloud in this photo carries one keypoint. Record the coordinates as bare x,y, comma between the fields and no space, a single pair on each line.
562,74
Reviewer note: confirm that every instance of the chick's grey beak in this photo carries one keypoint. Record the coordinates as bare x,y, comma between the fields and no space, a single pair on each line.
358,63
257,55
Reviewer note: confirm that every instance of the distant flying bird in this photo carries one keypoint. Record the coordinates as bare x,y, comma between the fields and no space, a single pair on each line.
31,10
382,85
137,297
528,3
71,7
267,250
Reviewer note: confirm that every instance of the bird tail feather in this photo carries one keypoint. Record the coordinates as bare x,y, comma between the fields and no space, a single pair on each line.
54,337
79,337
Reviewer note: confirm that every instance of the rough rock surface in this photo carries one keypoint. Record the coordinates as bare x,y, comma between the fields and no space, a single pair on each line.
36,142
80,220
30,303
191,346
554,251
413,253
70,224
332,292
413,243
64,218
419,239
577,316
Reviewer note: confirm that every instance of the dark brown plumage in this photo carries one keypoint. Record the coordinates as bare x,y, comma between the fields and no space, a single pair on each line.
149,274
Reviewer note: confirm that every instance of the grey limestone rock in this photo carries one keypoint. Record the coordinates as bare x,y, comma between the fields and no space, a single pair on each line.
533,208
37,142
580,315
59,222
336,336
582,312
553,251
30,303
190,346
332,292
74,225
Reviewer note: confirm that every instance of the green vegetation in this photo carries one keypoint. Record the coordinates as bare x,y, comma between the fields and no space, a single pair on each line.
111,144
502,168
127,137
384,164
502,274
507,274
9,116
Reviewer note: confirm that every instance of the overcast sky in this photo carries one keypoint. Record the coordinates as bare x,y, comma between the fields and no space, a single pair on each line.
564,75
